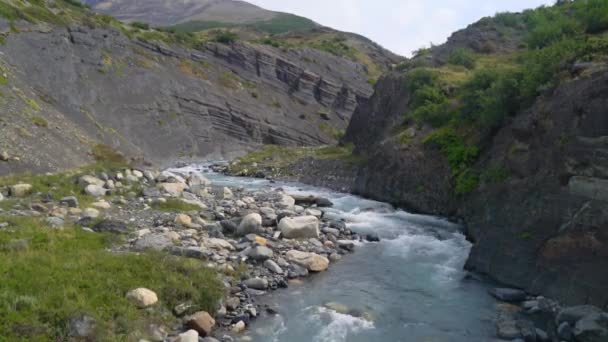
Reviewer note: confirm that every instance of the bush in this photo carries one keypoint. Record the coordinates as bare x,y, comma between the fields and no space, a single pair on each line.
225,37
140,25
463,57
40,121
593,14
105,154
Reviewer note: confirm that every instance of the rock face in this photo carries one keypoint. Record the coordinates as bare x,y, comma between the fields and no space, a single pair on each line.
163,101
301,227
541,229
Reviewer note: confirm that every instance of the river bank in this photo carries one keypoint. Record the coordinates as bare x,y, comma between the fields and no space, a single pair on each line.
405,277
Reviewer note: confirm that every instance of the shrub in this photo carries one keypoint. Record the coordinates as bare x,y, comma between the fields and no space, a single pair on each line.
225,37
463,57
105,154
593,14
140,25
40,121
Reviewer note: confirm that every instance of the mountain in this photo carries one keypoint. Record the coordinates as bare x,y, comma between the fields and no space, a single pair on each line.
198,14
503,128
73,80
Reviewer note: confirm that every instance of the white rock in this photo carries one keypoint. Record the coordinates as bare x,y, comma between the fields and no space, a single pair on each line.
273,266
138,174
88,180
198,179
301,227
1,197
102,205
90,212
251,224
239,327
188,336
173,189
286,202
95,190
217,244
21,190
183,220
142,297
313,212
311,261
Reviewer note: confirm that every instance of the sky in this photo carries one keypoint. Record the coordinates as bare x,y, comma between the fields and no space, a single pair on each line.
401,26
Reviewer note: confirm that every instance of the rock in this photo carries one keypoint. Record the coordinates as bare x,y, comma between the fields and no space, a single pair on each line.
508,295
173,189
260,253
87,180
313,212
198,179
333,231
337,307
4,156
311,261
156,242
273,266
183,220
224,194
575,313
142,297
81,326
346,244
564,331
209,339
251,224
238,327
256,283
111,226
95,190
541,335
323,202
228,226
55,222
219,244
286,202
299,227
90,212
70,201
1,197
232,303
20,190
507,329
102,205
137,174
592,328
188,336
149,175
202,322
157,333
42,209
372,237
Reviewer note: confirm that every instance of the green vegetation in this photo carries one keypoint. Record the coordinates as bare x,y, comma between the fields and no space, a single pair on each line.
467,106
225,37
331,130
51,276
140,25
175,205
39,121
108,156
283,23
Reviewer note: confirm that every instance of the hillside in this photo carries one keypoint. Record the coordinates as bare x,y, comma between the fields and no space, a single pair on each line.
503,127
73,79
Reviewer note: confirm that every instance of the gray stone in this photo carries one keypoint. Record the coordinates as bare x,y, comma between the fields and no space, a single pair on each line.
574,313
55,222
81,326
95,190
256,283
592,328
508,295
154,241
70,201
90,212
251,224
302,227
260,253
273,266
111,226
541,335
333,231
564,331
4,156
347,245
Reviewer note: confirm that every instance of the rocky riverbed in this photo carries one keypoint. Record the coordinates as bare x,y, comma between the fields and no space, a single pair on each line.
266,238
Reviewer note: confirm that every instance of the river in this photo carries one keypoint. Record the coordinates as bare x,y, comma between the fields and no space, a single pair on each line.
411,286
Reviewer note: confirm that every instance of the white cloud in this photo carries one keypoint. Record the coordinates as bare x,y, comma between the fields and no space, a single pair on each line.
399,25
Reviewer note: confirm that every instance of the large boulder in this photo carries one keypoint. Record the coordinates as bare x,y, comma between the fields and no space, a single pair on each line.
592,328
142,297
172,189
574,313
256,283
198,179
302,227
286,202
202,322
95,190
260,253
311,261
20,190
251,224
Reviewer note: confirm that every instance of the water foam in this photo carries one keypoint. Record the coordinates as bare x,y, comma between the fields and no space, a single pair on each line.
336,326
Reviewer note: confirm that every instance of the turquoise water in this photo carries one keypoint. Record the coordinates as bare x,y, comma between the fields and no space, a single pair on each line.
409,287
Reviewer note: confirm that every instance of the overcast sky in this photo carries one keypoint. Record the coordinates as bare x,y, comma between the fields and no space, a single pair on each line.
399,25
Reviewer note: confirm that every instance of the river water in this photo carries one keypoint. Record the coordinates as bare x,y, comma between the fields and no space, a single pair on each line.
409,287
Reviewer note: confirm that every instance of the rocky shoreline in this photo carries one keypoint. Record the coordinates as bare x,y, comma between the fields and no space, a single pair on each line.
257,241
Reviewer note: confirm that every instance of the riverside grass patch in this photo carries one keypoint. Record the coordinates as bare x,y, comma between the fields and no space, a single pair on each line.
51,276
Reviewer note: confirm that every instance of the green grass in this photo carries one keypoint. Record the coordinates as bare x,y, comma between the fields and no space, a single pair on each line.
39,121
175,205
283,23
107,155
60,274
